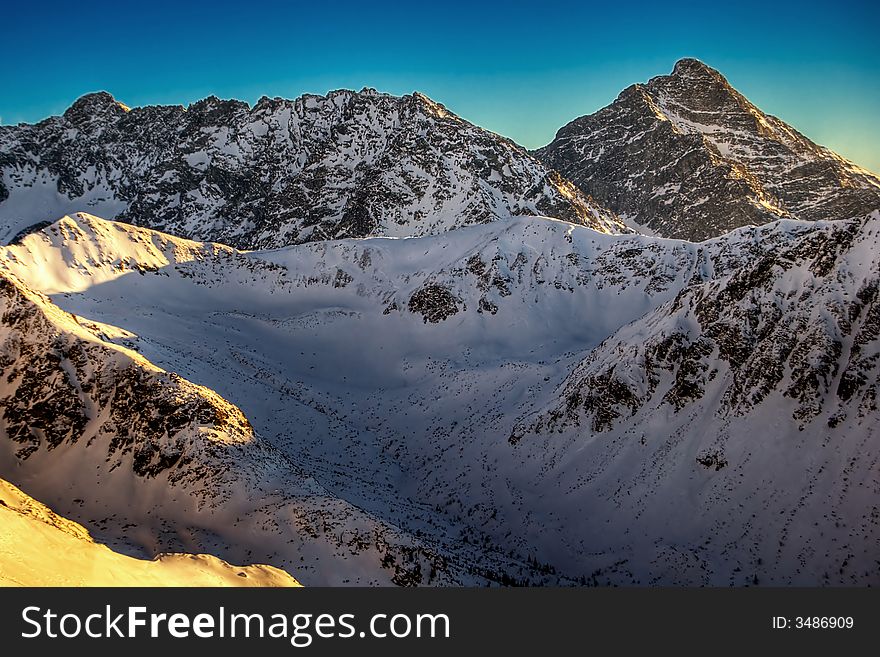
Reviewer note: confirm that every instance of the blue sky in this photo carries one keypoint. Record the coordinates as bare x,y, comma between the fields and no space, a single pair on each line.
522,69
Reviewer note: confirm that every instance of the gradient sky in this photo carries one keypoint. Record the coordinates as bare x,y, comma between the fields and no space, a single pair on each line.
522,69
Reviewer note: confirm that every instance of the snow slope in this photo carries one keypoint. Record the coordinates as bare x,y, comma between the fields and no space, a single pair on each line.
152,463
40,548
530,398
744,412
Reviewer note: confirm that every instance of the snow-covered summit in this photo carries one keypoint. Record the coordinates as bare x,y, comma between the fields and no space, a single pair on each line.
686,155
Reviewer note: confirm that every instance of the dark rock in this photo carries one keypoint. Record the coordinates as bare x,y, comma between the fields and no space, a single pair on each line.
283,172
688,156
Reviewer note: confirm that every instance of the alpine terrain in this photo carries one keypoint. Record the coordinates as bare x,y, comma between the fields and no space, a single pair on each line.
349,164
687,156
523,401
361,340
31,531
157,464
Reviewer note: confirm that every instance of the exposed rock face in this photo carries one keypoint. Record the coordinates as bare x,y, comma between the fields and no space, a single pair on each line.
434,302
282,172
688,156
63,385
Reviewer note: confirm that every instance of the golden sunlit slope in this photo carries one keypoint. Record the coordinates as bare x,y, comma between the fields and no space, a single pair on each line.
40,548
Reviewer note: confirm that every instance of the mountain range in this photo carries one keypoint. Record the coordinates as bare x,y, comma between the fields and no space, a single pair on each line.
543,384
349,164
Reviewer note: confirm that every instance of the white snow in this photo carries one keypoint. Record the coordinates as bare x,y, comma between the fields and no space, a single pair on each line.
409,420
41,548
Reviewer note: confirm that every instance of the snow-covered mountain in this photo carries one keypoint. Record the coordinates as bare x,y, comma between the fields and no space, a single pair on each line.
153,463
348,164
734,429
40,548
687,156
522,401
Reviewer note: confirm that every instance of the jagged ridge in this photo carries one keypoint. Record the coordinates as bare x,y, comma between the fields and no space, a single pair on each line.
349,164
688,156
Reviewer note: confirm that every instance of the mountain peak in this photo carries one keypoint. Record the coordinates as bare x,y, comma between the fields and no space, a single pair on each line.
218,106
688,66
432,106
690,69
94,105
716,160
